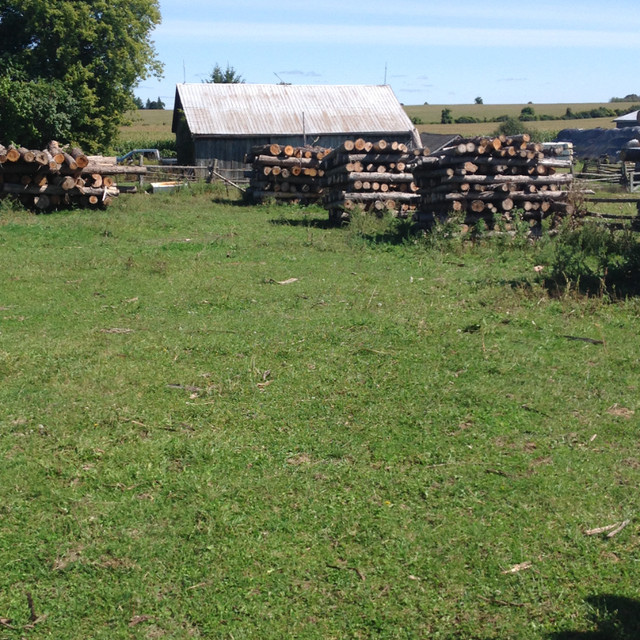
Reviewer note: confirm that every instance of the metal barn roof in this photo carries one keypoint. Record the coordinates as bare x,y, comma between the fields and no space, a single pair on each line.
634,116
272,109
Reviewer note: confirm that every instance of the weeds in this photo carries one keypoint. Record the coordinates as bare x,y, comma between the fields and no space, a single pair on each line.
595,260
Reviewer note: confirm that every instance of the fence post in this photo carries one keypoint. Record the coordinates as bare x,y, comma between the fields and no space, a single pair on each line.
141,177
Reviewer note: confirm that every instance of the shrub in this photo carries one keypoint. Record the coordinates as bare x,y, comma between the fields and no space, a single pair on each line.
446,117
511,127
527,114
595,259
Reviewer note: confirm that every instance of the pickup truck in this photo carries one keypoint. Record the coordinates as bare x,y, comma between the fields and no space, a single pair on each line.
153,154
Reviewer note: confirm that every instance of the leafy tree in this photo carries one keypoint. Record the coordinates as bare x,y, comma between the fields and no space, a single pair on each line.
511,127
35,111
224,76
87,54
527,114
446,117
479,100
631,97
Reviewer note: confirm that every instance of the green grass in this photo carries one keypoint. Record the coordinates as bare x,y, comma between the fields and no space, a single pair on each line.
191,449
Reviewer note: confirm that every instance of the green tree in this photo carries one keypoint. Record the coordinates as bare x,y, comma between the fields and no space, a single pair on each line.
154,104
446,117
527,114
479,100
90,54
511,127
224,76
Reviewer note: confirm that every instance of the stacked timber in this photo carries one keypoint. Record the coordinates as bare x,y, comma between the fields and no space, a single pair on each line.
286,173
56,178
370,176
485,178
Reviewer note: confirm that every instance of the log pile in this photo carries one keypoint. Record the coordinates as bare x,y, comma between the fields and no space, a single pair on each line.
286,173
372,176
56,178
485,178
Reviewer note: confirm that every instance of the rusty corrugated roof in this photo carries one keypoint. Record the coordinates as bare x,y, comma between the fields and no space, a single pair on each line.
272,109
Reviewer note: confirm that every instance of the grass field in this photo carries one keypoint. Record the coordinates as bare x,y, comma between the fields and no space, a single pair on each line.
222,421
156,125
431,113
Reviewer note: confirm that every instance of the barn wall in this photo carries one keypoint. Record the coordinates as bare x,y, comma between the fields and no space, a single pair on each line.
230,152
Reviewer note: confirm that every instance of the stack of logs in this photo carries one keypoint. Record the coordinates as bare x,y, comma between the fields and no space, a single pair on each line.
371,176
54,178
481,178
287,173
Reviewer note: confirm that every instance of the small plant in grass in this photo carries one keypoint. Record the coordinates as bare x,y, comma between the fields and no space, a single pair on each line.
10,206
446,233
480,230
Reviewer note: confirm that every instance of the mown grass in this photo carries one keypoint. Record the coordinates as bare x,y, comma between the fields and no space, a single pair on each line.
194,444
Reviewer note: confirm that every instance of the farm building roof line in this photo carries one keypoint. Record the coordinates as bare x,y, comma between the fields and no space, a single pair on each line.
271,109
634,116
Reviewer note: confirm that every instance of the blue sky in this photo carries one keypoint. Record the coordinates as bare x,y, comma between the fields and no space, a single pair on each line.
428,51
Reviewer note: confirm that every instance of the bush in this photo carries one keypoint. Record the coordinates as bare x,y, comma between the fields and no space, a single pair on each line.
527,114
595,259
511,127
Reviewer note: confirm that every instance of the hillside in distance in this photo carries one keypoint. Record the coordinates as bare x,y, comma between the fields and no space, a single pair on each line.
155,124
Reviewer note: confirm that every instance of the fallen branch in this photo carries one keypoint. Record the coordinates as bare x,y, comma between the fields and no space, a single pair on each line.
519,567
616,531
598,530
233,184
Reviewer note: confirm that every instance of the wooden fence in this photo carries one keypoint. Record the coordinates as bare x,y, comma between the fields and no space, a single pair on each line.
625,174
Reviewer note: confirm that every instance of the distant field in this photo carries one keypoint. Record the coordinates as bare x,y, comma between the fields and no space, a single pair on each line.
148,124
431,113
487,128
156,124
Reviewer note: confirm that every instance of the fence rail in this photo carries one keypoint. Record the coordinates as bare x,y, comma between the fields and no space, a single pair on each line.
625,174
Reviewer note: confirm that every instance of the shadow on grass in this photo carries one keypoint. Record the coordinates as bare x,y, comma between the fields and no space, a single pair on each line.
614,618
316,223
231,201
397,237
613,285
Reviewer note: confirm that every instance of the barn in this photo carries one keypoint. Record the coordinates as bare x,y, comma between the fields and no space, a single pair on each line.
220,123
628,120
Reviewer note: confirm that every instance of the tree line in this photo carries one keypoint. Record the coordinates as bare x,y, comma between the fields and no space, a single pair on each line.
528,114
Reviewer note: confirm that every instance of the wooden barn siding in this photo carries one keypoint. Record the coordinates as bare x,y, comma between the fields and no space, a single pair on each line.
230,152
